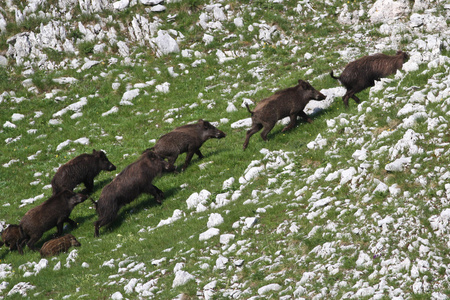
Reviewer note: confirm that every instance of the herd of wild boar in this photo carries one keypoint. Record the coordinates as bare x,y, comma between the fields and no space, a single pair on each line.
137,177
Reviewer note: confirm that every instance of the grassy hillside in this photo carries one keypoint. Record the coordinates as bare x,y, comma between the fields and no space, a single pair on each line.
311,213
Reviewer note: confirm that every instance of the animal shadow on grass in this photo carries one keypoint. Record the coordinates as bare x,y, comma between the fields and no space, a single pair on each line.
279,128
79,220
196,161
143,202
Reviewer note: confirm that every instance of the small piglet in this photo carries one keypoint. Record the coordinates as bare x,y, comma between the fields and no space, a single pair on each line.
134,180
58,245
362,73
81,169
52,212
288,102
187,138
12,238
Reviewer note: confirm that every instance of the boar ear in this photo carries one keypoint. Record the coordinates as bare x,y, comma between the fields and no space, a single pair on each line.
201,122
303,84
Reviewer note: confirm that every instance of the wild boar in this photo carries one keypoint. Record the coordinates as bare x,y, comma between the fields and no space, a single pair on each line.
12,237
58,245
288,102
362,73
134,180
81,169
52,212
187,138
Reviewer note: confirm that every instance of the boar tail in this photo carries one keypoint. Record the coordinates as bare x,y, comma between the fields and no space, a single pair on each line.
248,108
332,76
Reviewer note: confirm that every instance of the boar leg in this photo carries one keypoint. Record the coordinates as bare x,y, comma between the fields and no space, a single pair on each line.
293,118
267,128
189,156
356,99
157,193
250,132
345,99
72,223
97,229
199,154
31,242
89,184
171,160
305,116
59,229
19,247
350,94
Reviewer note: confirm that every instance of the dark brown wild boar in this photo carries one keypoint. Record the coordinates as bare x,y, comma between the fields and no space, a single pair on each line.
81,169
52,212
58,245
134,180
187,138
362,73
288,102
12,238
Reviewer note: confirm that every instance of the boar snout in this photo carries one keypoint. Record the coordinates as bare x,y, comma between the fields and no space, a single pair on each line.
220,134
111,167
320,96
74,242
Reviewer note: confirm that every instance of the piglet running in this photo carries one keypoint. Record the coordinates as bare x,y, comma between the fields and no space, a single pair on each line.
58,245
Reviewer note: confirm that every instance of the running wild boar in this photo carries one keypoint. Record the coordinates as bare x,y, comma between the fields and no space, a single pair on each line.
187,138
52,212
362,73
288,102
12,238
134,180
58,245
81,169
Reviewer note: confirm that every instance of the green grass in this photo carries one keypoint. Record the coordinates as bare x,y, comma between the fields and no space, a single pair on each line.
146,120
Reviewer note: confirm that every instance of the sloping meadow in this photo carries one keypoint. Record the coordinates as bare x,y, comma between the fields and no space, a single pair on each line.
353,205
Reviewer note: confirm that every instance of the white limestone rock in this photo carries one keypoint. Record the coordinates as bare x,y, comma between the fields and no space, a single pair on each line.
398,165
128,96
211,232
121,5
158,8
181,278
165,43
387,11
214,220
151,2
